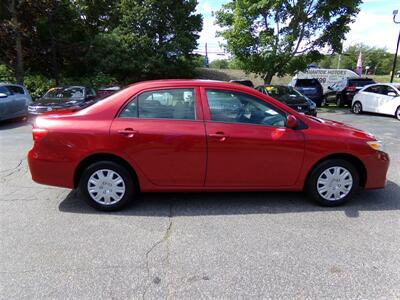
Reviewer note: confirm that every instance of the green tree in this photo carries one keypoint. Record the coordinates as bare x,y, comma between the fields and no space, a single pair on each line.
379,60
220,64
158,37
276,37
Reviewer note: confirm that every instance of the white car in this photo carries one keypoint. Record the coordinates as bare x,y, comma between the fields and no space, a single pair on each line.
381,98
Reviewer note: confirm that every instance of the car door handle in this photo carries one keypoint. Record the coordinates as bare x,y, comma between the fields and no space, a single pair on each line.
219,135
128,132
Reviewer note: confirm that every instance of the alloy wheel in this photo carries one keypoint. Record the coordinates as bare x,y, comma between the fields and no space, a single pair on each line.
357,108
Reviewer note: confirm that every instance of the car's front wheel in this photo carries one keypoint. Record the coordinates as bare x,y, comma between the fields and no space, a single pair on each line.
357,108
332,182
107,186
397,114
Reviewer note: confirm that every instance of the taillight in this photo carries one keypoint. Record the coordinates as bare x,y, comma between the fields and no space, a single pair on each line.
351,89
39,133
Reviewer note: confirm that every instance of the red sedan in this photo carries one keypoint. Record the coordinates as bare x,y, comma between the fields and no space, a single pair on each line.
193,135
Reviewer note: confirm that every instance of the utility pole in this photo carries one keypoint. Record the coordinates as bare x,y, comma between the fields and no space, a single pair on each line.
206,58
395,12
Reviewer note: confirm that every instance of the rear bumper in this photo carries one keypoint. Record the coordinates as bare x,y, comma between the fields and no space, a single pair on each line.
377,166
43,170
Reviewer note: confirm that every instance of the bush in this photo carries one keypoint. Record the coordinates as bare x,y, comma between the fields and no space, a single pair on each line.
37,85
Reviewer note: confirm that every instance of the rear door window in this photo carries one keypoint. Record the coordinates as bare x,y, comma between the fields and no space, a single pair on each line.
16,89
175,104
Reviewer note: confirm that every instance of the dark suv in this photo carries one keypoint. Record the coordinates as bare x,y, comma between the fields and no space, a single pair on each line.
342,92
291,97
311,88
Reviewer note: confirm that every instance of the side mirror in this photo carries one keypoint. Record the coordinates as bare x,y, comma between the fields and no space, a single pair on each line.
2,95
291,121
330,88
392,94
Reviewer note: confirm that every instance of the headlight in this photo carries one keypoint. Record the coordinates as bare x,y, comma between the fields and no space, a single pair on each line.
376,145
313,105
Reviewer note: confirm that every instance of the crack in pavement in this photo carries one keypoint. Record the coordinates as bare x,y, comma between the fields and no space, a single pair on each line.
165,238
18,169
17,166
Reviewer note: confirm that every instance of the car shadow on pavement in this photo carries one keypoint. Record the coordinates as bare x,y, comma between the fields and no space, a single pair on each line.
199,204
14,123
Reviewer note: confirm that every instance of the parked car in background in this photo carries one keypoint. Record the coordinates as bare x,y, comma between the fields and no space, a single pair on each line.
342,92
245,82
104,92
381,98
326,77
59,98
310,88
14,101
193,135
290,97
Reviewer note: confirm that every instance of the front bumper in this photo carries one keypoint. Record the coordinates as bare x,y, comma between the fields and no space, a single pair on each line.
377,166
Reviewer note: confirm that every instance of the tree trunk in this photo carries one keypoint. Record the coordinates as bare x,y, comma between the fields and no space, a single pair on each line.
268,78
19,65
53,44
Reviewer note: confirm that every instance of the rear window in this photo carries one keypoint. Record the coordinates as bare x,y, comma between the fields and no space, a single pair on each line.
306,82
361,82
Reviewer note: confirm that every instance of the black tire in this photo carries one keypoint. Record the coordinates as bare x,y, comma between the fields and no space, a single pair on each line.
324,102
397,113
128,183
357,108
339,101
312,182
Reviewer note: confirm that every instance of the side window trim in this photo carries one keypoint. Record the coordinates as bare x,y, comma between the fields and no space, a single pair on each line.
196,102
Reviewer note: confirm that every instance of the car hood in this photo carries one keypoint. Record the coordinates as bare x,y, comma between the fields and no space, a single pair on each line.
65,102
292,100
345,129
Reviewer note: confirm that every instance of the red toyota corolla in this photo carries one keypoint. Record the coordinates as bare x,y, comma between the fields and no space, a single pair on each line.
193,135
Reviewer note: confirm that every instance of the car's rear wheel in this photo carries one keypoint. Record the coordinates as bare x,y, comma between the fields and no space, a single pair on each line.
339,101
332,182
397,114
357,108
107,186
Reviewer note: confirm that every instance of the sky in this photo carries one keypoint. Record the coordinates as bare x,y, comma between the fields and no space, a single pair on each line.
373,26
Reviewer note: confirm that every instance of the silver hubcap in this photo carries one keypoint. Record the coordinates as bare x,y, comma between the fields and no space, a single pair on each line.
334,183
106,187
357,108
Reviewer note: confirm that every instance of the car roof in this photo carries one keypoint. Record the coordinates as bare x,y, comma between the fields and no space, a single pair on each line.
9,83
183,82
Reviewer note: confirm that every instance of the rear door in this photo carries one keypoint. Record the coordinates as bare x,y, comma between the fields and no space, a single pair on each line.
162,133
18,103
248,142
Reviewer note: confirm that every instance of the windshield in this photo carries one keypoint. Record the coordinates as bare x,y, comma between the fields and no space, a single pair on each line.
65,93
282,93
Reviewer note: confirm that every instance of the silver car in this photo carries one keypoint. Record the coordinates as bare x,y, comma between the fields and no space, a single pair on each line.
14,101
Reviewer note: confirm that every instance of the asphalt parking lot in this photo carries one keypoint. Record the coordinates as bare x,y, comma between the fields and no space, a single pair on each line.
195,246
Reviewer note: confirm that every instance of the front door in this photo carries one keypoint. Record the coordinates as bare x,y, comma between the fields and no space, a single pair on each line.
162,133
248,142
